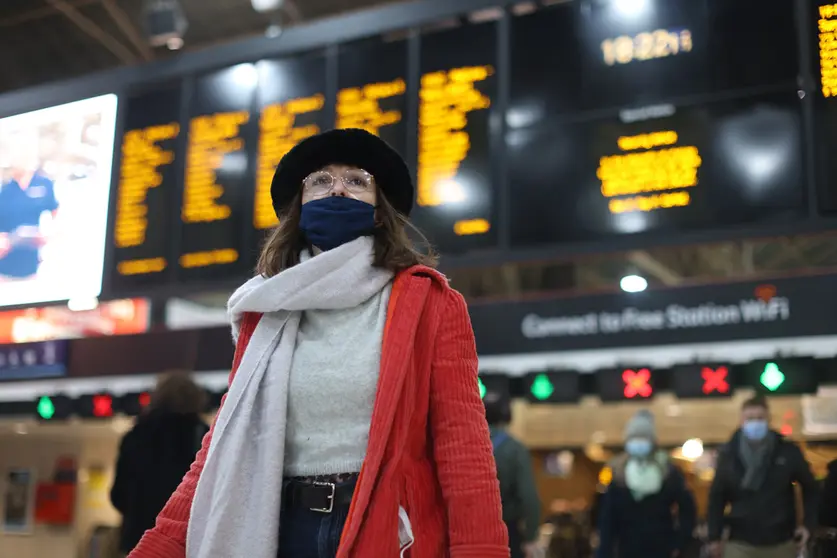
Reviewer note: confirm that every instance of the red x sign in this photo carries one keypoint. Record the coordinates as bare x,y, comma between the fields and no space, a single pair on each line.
102,406
637,383
715,380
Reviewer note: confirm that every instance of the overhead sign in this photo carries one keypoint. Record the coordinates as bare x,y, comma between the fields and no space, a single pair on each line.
702,380
625,384
26,361
749,310
553,387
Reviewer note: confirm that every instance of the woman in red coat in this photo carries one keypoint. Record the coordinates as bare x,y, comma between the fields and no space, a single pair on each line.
353,426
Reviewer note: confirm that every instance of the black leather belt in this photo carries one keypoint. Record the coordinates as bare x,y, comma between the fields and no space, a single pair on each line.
320,497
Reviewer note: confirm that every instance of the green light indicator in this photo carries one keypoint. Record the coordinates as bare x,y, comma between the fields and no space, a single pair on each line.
772,378
482,388
46,409
542,388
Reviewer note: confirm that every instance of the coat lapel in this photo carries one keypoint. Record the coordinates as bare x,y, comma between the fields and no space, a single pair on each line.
404,311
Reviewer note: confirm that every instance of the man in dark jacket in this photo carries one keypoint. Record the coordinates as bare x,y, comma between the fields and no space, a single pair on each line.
521,504
754,476
637,517
155,455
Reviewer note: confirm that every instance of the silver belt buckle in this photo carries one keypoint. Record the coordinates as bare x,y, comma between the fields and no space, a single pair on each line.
330,497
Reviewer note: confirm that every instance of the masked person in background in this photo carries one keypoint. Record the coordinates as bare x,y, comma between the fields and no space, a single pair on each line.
754,476
647,511
353,426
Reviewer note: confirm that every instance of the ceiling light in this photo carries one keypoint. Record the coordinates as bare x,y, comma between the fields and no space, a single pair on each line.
693,449
262,6
633,284
174,43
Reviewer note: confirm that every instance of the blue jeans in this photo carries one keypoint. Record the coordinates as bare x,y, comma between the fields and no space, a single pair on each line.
308,534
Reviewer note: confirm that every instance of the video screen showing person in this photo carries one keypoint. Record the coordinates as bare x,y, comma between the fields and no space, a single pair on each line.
55,172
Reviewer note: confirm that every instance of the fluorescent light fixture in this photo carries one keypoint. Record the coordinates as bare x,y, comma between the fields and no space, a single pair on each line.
633,284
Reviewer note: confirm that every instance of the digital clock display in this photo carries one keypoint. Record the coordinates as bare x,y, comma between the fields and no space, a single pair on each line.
659,43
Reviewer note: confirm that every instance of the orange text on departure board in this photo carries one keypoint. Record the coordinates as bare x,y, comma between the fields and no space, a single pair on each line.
651,173
660,43
211,138
140,171
447,97
278,134
827,27
360,107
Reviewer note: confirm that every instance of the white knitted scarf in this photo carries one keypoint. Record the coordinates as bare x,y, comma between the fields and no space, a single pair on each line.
235,511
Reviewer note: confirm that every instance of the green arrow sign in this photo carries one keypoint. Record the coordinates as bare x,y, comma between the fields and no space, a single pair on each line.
772,378
46,409
482,388
542,387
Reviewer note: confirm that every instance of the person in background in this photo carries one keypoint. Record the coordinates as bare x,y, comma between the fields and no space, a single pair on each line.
828,512
156,453
27,195
637,518
518,492
754,476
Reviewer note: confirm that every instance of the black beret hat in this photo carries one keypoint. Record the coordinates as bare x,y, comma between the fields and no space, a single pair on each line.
349,146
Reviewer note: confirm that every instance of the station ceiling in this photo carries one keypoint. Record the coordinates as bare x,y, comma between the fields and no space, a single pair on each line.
50,40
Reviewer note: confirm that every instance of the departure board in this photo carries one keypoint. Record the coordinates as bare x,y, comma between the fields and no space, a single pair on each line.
146,197
292,101
660,169
373,95
824,29
455,201
655,52
217,186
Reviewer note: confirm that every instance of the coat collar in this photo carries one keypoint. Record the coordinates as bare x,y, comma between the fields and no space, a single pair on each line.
409,293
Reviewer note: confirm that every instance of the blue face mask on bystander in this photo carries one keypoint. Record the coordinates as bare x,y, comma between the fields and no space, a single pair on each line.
335,220
755,430
638,447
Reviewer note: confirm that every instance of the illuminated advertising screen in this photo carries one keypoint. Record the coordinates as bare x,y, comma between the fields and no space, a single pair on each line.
455,201
56,175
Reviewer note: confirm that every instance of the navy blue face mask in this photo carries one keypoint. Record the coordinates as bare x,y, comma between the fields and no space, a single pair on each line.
335,220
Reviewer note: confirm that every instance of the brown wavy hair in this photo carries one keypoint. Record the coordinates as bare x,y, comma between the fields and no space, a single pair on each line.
177,392
394,250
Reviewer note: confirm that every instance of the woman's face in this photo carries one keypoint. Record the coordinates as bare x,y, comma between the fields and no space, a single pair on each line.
340,180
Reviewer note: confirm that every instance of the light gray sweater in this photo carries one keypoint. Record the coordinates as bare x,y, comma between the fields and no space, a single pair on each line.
334,374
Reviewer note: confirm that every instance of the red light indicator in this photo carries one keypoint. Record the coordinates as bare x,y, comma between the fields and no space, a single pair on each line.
102,406
637,383
715,379
144,400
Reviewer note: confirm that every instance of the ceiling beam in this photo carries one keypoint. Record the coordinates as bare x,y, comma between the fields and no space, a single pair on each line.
40,13
93,30
118,15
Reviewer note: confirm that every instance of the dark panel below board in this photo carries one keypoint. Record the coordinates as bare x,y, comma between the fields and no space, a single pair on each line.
680,168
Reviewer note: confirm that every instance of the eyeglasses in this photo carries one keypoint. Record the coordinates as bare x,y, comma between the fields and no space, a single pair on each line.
321,183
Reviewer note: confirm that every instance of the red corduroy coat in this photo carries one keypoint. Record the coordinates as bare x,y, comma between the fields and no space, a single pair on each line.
429,447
